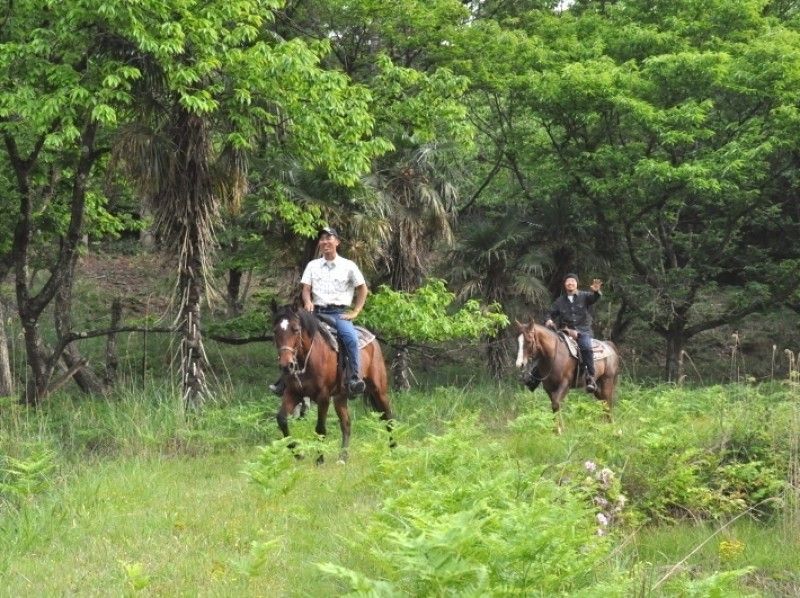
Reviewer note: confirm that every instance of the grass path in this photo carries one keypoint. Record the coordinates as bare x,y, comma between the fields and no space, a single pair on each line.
183,526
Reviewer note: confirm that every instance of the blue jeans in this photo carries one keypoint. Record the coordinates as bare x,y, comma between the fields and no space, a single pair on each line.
347,336
585,345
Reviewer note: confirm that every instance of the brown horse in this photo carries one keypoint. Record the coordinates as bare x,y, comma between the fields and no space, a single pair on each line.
558,368
310,368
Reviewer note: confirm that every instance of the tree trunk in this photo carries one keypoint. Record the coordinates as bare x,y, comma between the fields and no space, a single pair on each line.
193,354
675,344
234,286
147,236
401,371
497,356
39,375
84,377
112,359
30,306
6,379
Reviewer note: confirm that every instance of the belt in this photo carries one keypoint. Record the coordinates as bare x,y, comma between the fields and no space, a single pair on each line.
328,307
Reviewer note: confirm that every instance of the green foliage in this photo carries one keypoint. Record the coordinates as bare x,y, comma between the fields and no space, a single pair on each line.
23,478
254,562
473,501
415,108
698,454
136,576
252,323
458,520
273,469
427,315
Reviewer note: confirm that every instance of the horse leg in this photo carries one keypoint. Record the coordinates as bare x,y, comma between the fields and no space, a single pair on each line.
340,404
322,415
288,405
556,396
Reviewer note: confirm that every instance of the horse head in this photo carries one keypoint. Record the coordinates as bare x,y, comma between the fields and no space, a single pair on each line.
292,329
528,345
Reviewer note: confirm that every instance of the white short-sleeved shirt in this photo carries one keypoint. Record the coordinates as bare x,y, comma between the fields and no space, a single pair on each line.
332,282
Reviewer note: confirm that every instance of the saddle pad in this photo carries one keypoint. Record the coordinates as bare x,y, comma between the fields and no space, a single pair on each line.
365,337
600,349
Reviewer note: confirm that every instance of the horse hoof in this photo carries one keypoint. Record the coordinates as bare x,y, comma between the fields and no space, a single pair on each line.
320,460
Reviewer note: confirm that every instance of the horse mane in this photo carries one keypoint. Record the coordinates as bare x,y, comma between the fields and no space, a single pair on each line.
308,321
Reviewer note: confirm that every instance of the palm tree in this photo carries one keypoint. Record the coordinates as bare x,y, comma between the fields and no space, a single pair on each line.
419,202
494,261
183,183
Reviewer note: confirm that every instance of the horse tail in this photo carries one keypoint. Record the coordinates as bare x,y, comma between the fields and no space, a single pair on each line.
617,355
376,397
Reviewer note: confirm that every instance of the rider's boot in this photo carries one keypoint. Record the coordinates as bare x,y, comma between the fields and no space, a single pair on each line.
587,356
278,387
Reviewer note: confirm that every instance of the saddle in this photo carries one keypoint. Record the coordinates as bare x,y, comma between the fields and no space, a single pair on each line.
328,330
600,349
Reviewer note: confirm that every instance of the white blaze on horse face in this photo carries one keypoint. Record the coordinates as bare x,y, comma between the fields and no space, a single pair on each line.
284,325
520,352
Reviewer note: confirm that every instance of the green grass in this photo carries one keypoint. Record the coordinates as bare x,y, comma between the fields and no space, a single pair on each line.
132,495
773,550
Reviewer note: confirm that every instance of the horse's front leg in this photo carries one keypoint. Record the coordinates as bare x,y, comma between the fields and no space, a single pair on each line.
340,404
321,430
288,404
556,397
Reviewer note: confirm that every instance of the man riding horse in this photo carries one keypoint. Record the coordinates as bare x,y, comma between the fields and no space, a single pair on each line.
571,312
335,287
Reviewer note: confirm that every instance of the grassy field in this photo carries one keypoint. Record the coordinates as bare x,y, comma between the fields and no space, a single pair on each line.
131,495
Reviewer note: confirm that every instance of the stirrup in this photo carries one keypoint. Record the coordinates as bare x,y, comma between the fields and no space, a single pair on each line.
591,384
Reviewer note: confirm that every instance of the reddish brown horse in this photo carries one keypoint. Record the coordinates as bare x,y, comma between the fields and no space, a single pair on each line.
558,368
310,368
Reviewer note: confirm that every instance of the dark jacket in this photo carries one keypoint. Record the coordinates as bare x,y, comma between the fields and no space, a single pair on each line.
574,314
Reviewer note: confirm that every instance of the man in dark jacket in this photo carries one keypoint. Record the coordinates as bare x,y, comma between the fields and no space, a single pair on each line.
571,312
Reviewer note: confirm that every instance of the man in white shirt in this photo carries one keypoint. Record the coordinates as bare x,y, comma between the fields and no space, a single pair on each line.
334,286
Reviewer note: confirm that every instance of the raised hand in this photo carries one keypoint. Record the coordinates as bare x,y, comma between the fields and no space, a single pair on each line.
596,285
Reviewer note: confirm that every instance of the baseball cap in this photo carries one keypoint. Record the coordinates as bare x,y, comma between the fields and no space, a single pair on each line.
328,230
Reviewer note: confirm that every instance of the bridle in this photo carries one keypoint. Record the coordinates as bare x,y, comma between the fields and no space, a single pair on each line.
293,350
538,347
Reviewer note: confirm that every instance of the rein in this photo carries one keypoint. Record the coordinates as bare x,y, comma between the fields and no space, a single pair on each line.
293,350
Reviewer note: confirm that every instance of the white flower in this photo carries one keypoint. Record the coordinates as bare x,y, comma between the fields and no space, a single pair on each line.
602,519
605,476
600,501
590,465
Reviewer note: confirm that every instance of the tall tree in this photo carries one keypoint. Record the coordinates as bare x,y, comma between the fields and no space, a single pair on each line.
74,72
670,130
391,48
217,99
493,260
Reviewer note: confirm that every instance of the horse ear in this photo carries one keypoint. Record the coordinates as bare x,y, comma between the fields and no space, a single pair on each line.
297,303
273,305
